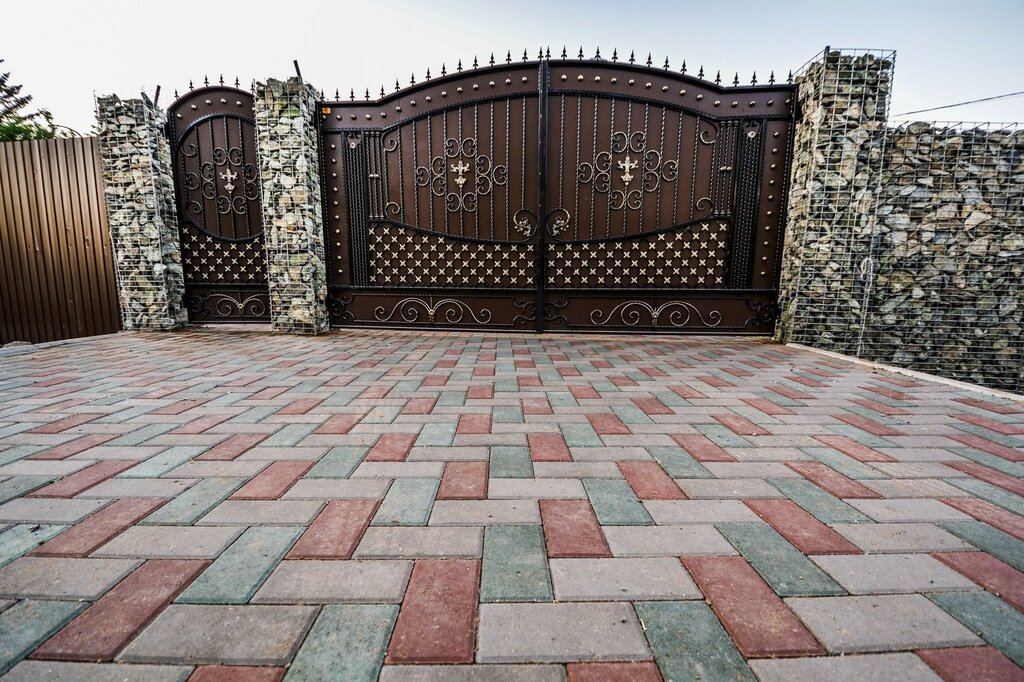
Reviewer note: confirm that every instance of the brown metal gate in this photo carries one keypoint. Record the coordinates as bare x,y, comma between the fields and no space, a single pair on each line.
558,195
216,174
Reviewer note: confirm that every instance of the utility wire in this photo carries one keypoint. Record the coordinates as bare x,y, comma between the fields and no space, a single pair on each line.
960,104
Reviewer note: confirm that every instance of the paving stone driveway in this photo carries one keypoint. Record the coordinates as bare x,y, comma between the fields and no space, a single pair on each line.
470,506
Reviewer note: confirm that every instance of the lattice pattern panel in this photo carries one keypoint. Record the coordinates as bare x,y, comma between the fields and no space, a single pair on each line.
215,261
693,258
401,257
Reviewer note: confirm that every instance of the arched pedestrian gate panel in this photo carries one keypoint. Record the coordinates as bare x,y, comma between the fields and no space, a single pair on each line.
558,195
216,175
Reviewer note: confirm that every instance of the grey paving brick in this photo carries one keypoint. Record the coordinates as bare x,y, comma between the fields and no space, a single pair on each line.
143,488
543,633
28,623
666,541
65,671
621,580
473,673
408,503
170,542
63,578
48,510
238,635
224,469
399,470
576,470
880,623
322,582
997,622
727,488
337,488
361,631
420,542
665,512
530,488
903,510
484,512
263,512
880,538
860,668
890,573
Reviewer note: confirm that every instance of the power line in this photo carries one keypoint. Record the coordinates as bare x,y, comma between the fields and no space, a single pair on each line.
960,104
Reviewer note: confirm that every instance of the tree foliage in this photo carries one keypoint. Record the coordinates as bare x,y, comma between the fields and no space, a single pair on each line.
16,122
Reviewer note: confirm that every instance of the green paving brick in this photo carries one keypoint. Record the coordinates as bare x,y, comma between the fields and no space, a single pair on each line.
507,414
289,436
847,466
995,437
723,437
16,486
678,463
436,435
783,566
506,386
161,463
510,461
689,643
862,437
451,399
20,452
339,462
561,399
581,435
984,458
631,414
823,506
191,505
28,623
991,493
604,386
19,539
408,503
989,539
615,503
990,617
515,567
240,569
382,414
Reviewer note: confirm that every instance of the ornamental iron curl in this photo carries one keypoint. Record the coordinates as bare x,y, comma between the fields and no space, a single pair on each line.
648,165
473,174
679,315
452,311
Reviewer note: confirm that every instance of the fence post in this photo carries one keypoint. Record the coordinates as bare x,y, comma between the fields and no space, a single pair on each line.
827,267
139,192
287,137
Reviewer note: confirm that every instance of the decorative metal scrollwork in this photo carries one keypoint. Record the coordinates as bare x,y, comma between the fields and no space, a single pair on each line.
679,314
338,308
765,312
524,221
648,164
219,305
448,311
227,163
552,310
558,221
474,175
529,308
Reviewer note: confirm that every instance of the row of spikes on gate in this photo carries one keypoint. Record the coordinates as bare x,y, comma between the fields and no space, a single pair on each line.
542,55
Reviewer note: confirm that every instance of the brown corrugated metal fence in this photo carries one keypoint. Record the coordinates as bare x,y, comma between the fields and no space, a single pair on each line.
56,271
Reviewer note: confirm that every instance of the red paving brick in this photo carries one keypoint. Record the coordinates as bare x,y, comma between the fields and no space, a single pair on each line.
652,406
103,629
852,448
83,479
803,531
649,481
376,392
753,615
686,392
865,424
991,424
300,406
232,447
580,392
339,424
548,447
767,406
437,621
830,480
607,424
272,482
639,671
996,478
474,424
741,426
971,664
94,531
73,447
880,408
702,449
236,673
391,447
66,423
463,481
991,407
994,516
536,406
985,445
989,572
178,407
419,406
336,531
571,529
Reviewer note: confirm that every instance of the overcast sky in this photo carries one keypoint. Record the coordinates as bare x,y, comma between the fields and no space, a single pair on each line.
64,51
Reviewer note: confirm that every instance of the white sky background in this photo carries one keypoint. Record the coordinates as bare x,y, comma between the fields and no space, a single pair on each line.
64,51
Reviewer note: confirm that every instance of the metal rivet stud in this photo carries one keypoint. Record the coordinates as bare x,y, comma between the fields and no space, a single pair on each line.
337,116
458,90
508,81
178,115
579,77
632,82
352,116
429,99
564,77
647,85
700,97
398,109
664,88
597,79
332,146
717,102
491,84
525,79
771,102
614,81
368,117
444,93
194,107
734,104
223,101
752,102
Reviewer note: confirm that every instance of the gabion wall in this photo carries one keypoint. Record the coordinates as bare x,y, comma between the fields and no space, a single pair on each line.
139,192
286,114
904,244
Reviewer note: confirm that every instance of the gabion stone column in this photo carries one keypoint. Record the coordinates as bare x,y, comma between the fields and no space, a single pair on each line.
139,190
837,170
290,169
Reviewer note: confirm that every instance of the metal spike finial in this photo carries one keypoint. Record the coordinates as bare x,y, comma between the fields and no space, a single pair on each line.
597,55
736,79
397,86
753,79
322,94
771,78
444,69
222,79
580,54
476,64
789,79
547,52
615,54
649,60
632,57
718,78
683,70
381,92
337,95
190,85
540,54
491,63
206,81
236,81
565,55
367,94
412,79
508,57
525,57
352,94
666,67
700,74
175,94
428,73
457,68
